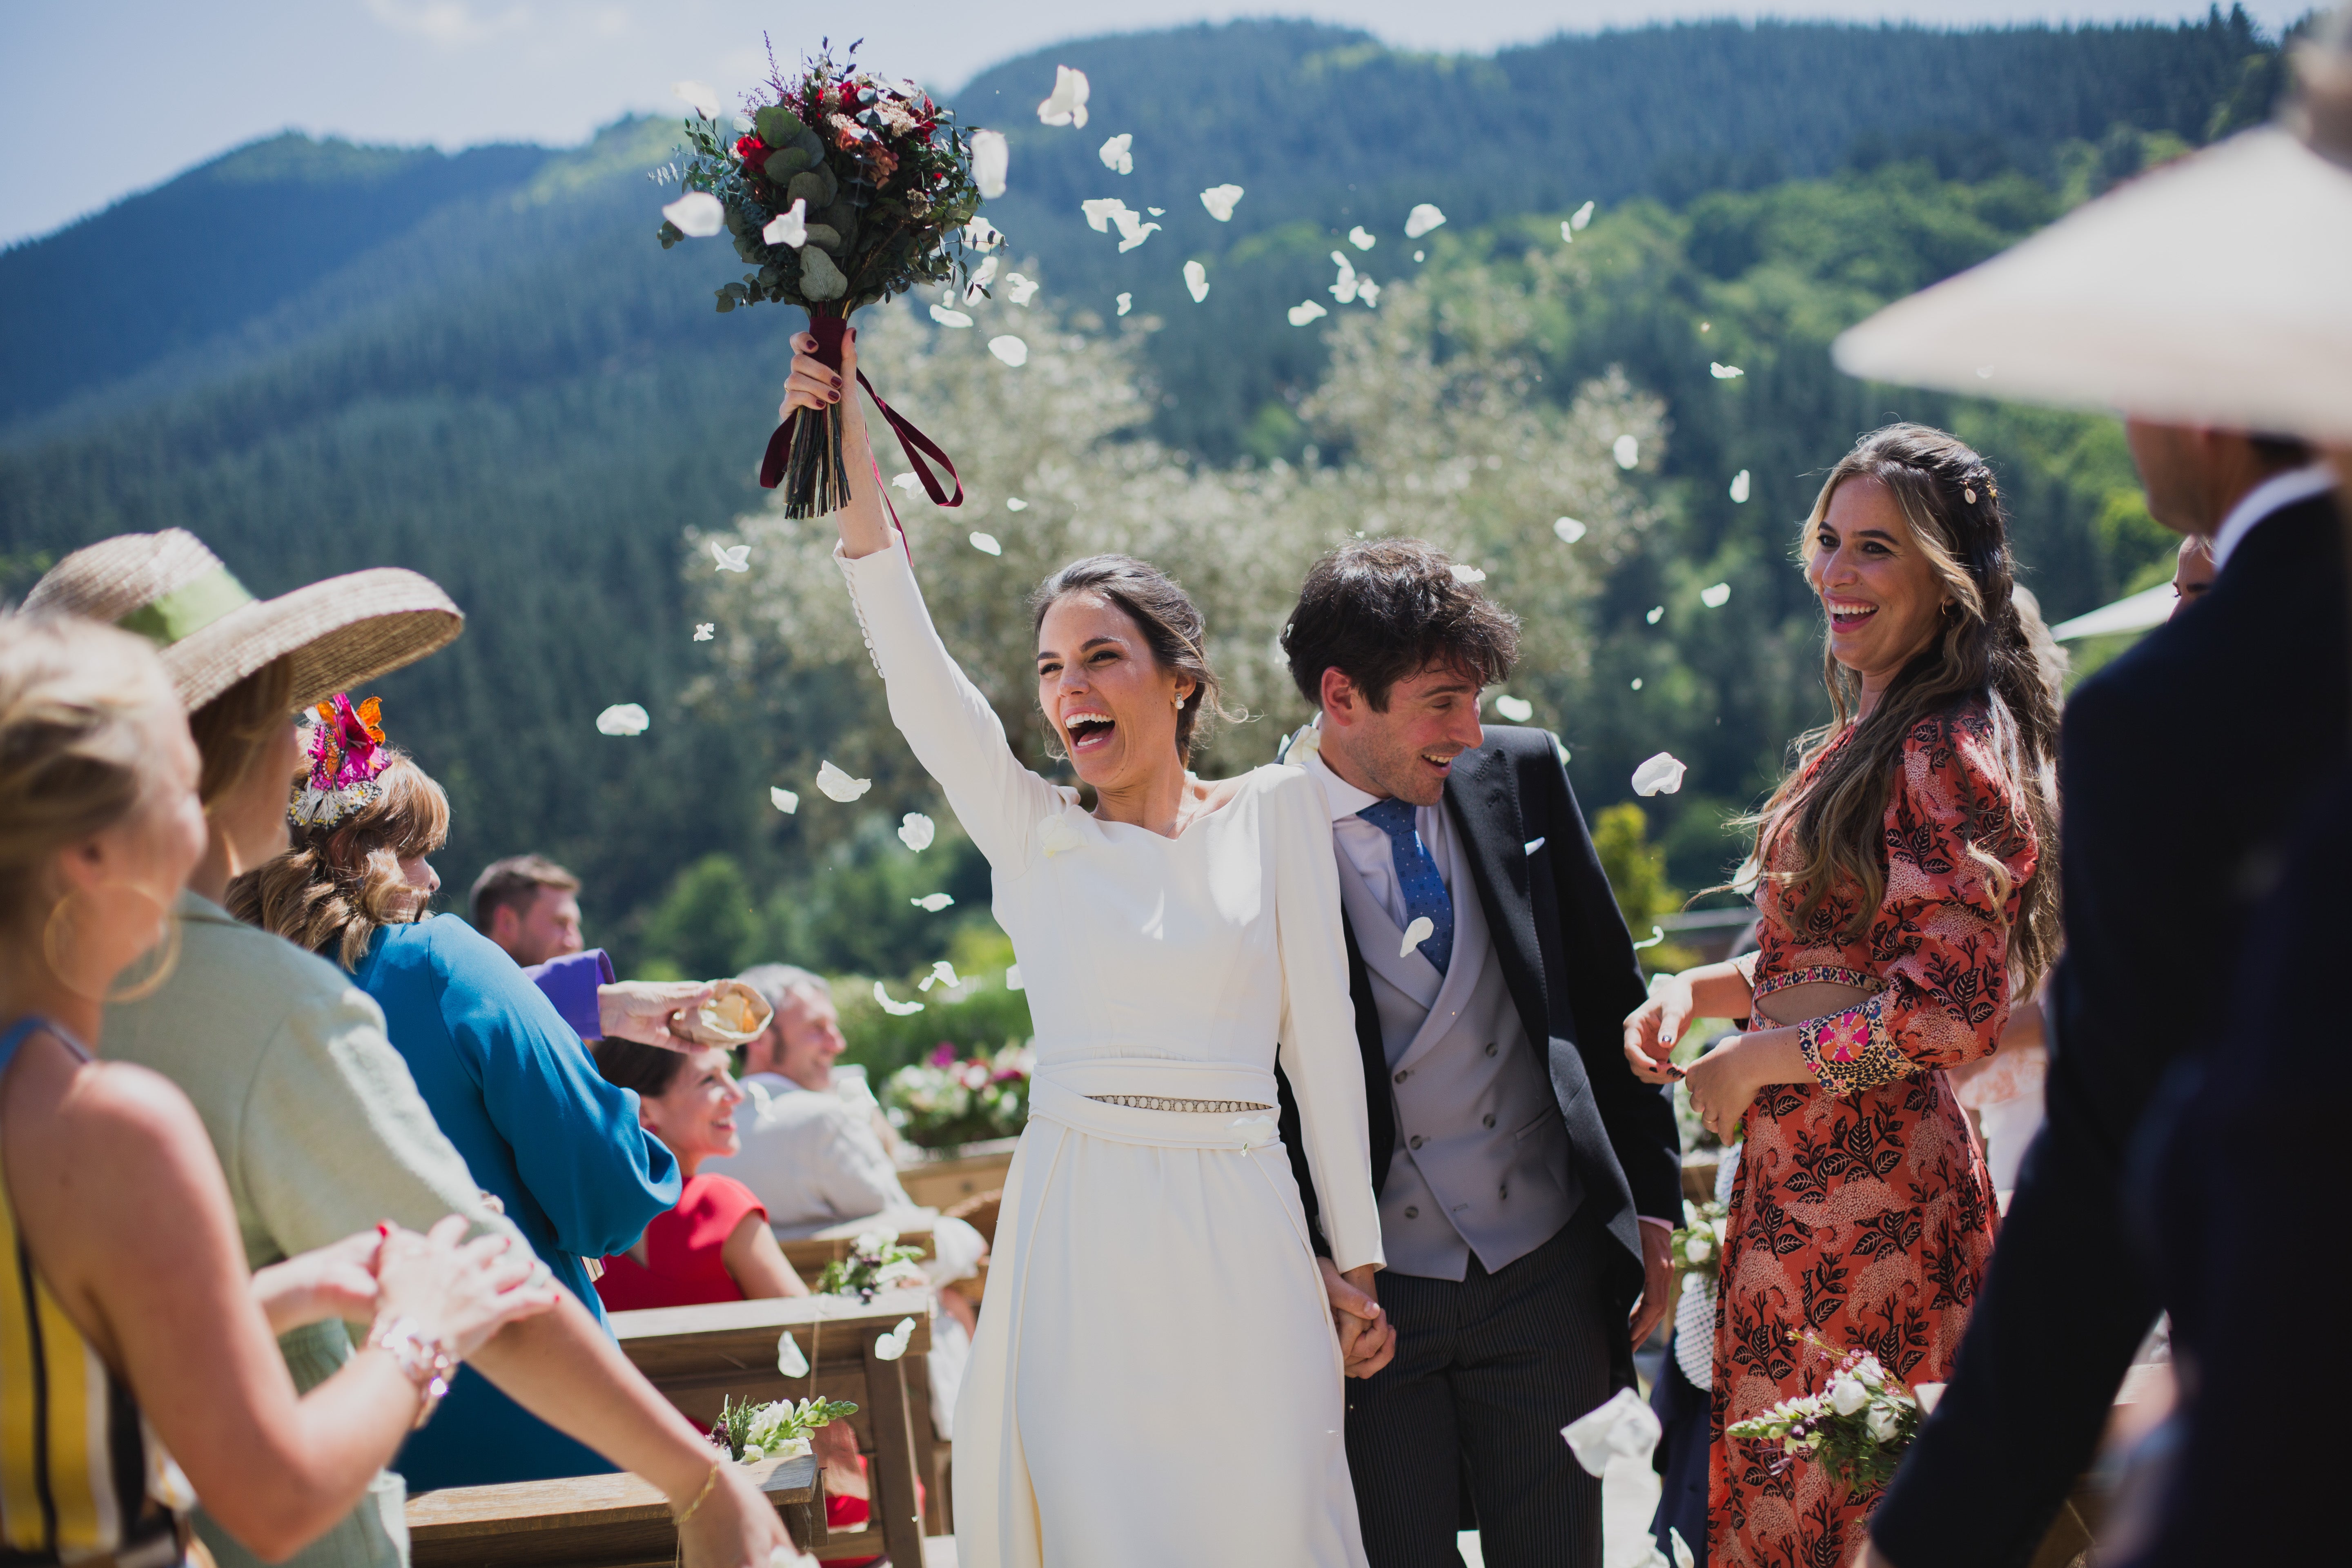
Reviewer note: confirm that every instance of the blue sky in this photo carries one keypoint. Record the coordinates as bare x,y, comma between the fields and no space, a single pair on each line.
97,101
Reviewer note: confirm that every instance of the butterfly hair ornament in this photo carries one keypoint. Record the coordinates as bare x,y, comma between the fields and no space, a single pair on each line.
348,757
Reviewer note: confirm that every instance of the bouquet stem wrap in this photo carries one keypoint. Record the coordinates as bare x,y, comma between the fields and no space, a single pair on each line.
804,453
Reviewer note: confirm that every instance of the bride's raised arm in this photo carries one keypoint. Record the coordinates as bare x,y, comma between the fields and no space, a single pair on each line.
953,732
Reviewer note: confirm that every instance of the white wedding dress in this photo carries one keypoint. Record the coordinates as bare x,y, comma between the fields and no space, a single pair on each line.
1155,1380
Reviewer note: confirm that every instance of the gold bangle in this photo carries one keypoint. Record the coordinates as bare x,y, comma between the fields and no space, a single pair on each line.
701,1496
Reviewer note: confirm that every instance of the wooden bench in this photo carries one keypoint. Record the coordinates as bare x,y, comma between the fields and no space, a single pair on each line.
585,1521
700,1356
942,1183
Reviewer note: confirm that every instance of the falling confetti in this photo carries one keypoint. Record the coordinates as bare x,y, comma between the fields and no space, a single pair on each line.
1067,104
700,99
1099,211
892,1345
1623,1426
1019,289
1532,844
1419,253
980,234
1368,293
789,227
1984,373
1568,231
789,1358
1637,683
906,483
1196,281
1422,219
623,719
1739,487
916,831
932,903
1011,350
1657,614
1569,530
1362,237
1724,372
1466,572
1132,230
1344,290
1014,503
1305,311
1716,597
783,800
1517,709
986,543
731,557
947,318
991,159
1126,303
705,630
1220,199
1013,977
895,1009
1657,935
838,786
1583,215
1627,451
697,214
942,973
1662,774
1421,929
1116,155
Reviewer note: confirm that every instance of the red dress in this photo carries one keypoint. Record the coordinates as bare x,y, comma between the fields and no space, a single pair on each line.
685,1262
1862,1211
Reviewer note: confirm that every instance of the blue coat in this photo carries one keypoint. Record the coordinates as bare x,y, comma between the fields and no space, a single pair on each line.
514,1089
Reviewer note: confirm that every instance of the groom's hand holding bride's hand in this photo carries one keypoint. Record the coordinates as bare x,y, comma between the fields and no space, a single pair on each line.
1367,1337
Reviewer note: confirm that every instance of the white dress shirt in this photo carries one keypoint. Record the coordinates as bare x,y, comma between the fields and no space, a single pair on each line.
2266,499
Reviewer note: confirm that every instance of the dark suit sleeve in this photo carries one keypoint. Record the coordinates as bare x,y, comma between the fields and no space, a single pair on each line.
2065,1302
1604,984
1294,1141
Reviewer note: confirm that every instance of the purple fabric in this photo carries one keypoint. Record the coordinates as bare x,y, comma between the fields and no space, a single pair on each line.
571,982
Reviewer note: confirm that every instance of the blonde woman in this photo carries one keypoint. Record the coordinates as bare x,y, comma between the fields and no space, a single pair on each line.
131,1331
1902,914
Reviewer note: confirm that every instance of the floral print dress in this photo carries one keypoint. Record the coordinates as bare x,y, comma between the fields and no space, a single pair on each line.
1862,1214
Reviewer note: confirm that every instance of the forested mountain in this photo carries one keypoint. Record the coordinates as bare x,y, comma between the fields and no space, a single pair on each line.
483,366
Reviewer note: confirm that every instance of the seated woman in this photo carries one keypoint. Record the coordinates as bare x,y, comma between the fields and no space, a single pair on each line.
715,1246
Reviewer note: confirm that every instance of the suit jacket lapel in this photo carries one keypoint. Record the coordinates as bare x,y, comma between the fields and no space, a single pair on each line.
1380,936
1485,800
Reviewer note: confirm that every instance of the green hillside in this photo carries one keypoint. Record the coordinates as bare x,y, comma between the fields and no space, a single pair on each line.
484,367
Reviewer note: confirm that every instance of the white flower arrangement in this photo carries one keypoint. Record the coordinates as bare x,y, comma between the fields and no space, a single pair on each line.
1859,1424
1698,1247
780,1430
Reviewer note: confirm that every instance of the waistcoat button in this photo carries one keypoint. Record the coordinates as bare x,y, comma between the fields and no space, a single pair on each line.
1412,1214
1505,1191
1414,1142
1403,1074
1490,1121
1490,1048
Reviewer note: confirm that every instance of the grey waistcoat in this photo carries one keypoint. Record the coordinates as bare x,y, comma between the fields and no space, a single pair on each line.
1481,1157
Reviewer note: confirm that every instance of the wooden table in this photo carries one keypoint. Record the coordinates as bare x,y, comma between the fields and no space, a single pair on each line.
585,1521
700,1356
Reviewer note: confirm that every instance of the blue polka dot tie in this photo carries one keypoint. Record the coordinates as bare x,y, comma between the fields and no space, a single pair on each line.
1424,889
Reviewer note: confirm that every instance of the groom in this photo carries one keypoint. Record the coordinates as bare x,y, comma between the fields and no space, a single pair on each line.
1527,1181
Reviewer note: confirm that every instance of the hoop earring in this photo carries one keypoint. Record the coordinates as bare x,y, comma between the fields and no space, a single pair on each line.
167,949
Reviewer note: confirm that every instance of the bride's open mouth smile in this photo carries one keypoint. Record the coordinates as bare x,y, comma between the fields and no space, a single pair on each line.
1089,729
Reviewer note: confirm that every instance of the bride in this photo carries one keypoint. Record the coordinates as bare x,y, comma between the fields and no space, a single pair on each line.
1156,1379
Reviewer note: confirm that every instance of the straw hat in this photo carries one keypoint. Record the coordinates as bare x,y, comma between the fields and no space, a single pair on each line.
212,633
2211,291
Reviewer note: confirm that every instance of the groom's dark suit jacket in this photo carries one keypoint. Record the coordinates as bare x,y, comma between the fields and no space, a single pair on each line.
1569,965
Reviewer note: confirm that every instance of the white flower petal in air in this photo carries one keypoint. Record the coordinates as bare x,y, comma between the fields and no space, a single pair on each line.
1662,774
783,800
1715,595
1014,503
705,630
1362,237
893,1345
1011,350
1745,880
838,786
1300,314
700,99
977,287
932,903
991,159
1984,373
1133,231
916,831
895,1009
1421,929
1013,977
1569,530
1626,451
1657,935
1583,215
943,974
1568,231
906,482
1196,281
1532,844
1256,1131
1928,1394
947,318
1739,487
1637,683
1684,1556
789,227
731,557
980,234
1370,294
789,1358
1466,572
1067,104
1116,155
1724,372
1126,303
1625,1425
1422,219
986,543
1098,211
1517,709
1344,290
1018,289
697,214
1657,613
1220,199
623,719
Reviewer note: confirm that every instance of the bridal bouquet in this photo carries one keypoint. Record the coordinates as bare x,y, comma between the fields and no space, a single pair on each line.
876,1263
842,189
1859,1424
777,1431
1698,1247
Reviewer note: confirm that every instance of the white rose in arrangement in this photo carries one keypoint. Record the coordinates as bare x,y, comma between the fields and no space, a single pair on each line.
1848,1396
1872,1375
1879,1423
1698,1250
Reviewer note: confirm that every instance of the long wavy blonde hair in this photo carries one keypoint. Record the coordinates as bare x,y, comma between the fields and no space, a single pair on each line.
335,886
1834,816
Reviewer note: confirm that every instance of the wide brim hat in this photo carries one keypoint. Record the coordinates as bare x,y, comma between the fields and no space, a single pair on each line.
2216,291
212,633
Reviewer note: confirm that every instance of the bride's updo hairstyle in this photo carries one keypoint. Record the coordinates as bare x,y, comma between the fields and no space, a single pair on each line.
1169,621
335,886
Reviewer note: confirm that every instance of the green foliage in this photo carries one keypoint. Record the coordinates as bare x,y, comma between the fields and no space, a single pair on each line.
1635,867
707,925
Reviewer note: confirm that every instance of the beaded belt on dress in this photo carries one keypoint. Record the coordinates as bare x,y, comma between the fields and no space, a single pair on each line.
1162,1102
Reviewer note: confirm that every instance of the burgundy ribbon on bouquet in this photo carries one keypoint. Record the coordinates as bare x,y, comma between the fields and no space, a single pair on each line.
829,332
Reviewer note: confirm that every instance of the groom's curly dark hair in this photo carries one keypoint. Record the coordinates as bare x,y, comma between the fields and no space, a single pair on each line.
1383,610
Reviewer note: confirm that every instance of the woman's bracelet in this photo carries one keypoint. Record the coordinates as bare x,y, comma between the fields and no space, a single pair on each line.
700,1498
424,1359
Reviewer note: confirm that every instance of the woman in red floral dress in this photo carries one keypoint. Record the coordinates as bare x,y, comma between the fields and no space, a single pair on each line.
1901,913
